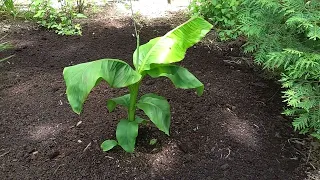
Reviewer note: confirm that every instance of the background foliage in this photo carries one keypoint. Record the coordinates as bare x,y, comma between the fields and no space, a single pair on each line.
221,13
283,35
58,16
7,7
60,20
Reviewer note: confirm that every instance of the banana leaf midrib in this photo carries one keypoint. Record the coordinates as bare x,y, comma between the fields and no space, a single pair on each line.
144,61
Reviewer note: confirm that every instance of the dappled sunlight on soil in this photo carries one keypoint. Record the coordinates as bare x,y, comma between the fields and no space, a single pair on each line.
20,89
44,132
239,129
164,160
21,43
151,8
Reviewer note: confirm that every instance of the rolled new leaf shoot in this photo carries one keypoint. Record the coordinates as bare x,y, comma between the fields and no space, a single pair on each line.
171,47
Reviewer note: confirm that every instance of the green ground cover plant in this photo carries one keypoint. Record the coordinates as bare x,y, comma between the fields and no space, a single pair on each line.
221,13
7,7
60,20
156,59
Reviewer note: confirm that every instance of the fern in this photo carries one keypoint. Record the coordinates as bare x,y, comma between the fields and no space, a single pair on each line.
284,36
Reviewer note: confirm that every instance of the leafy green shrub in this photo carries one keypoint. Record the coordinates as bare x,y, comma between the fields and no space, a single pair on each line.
80,6
155,59
285,36
222,13
8,7
60,20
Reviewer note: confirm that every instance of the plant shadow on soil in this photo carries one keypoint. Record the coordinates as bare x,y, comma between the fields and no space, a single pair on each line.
233,131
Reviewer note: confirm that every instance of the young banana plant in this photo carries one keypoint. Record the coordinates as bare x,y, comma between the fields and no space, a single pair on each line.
156,59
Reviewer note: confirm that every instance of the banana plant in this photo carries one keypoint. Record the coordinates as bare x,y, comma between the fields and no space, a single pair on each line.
156,59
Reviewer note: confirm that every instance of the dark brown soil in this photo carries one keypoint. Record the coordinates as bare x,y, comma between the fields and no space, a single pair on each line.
233,131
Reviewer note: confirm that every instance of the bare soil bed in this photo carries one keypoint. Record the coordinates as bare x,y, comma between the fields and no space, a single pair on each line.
233,131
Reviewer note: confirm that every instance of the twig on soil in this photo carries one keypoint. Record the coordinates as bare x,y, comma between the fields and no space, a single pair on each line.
109,157
307,161
78,123
294,158
208,46
55,171
312,176
263,103
273,95
282,148
296,141
312,166
228,153
4,153
85,149
232,62
219,48
299,152
262,127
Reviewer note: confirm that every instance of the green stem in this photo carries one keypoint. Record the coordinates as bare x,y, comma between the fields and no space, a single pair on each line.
134,91
135,29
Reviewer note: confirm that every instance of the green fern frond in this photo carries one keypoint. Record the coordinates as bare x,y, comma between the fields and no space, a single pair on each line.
316,134
284,36
301,122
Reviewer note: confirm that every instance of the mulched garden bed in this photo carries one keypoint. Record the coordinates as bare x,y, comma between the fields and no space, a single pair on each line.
233,131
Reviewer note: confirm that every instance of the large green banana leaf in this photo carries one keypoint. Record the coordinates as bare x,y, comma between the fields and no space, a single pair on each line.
81,78
157,109
171,47
179,76
126,134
